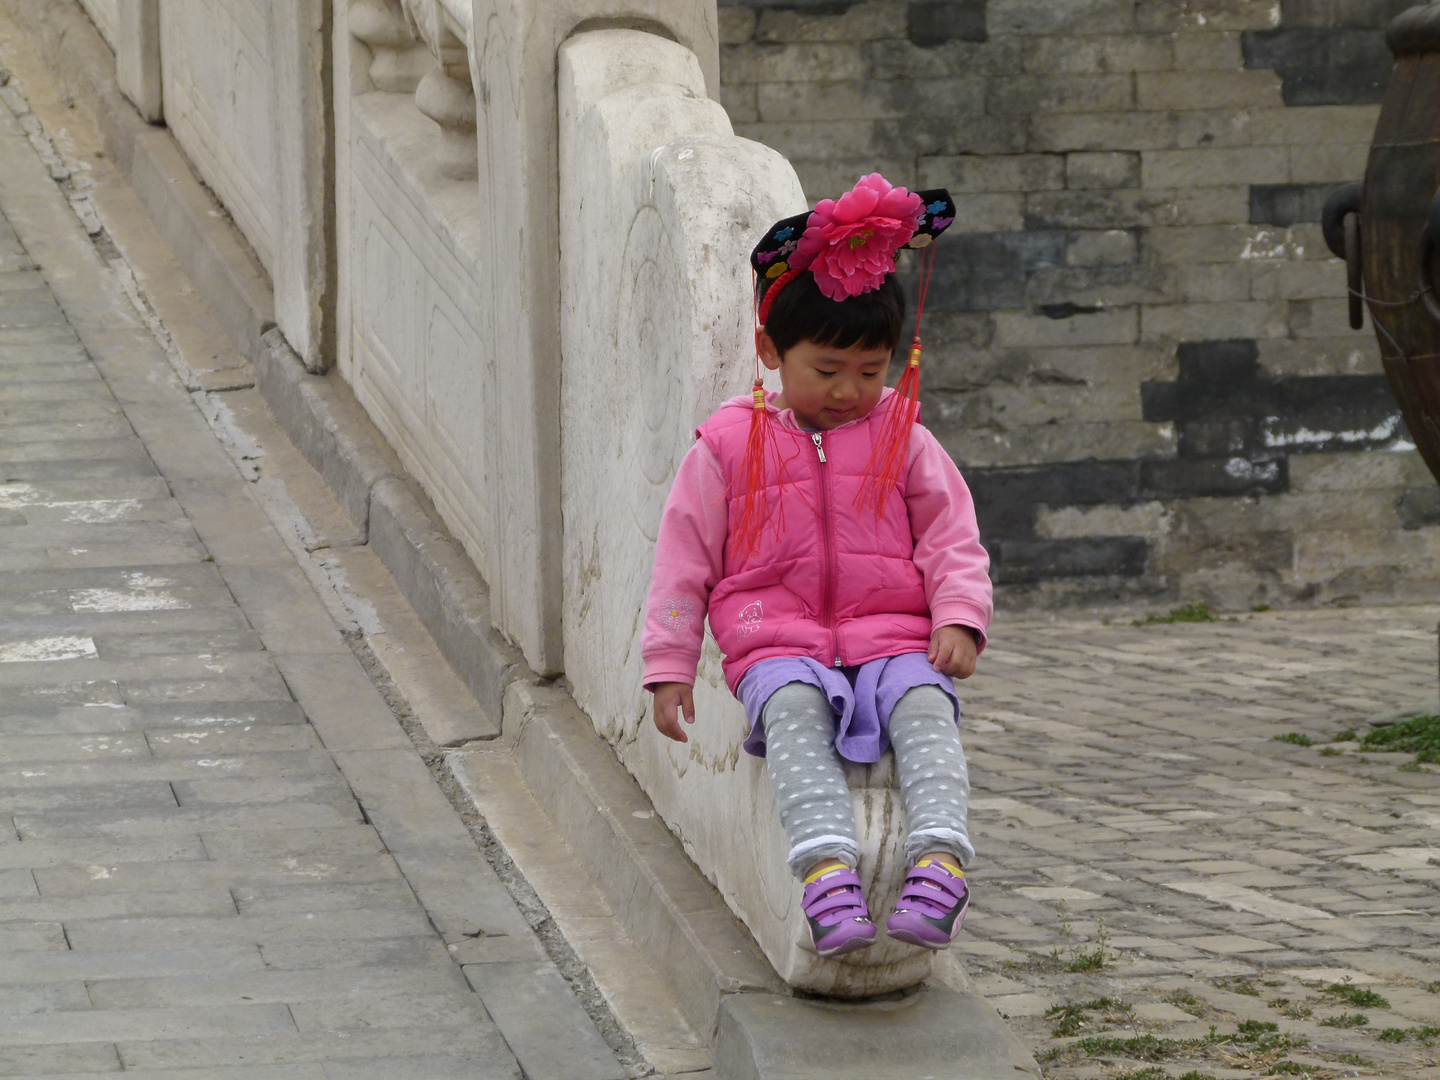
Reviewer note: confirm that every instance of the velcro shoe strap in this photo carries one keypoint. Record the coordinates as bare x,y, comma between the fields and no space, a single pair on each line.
945,881
846,902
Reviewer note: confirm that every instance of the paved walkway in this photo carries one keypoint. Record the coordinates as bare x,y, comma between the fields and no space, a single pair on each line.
1133,775
220,853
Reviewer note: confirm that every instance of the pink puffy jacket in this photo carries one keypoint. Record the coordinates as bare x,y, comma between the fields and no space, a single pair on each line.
837,585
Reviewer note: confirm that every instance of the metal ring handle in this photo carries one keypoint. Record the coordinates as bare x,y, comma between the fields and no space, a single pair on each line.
1342,201
1354,275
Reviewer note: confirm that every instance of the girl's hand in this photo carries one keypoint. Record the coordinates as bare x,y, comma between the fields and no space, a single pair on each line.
673,697
952,652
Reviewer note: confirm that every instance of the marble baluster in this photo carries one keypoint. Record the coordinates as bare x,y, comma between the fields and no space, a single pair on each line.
399,61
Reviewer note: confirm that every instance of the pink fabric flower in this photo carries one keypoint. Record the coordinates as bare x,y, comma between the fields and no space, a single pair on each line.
850,243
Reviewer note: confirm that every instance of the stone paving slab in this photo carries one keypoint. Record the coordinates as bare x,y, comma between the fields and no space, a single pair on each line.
1154,861
221,856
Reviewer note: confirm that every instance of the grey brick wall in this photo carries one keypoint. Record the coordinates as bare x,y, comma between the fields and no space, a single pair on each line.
1137,346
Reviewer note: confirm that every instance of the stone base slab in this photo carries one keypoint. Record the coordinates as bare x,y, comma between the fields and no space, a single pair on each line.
929,1035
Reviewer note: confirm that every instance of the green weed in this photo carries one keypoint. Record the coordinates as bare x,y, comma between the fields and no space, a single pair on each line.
1238,984
1420,735
1186,613
1097,956
1357,996
1139,1047
1183,999
1423,1034
1354,1059
1346,1020
1072,1016
1299,738
1344,736
1329,751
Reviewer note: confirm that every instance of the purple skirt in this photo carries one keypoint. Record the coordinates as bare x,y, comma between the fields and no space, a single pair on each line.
862,697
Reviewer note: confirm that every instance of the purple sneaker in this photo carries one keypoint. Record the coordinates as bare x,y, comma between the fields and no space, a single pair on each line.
931,906
836,913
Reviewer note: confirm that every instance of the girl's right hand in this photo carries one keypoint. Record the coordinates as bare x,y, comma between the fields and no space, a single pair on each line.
671,698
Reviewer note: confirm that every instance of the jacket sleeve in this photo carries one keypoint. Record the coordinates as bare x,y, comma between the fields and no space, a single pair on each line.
947,539
689,561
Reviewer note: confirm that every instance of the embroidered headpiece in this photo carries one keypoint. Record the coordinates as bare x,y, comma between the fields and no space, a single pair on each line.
848,245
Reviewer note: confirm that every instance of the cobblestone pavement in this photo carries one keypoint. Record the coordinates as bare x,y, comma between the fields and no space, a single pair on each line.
220,854
1165,888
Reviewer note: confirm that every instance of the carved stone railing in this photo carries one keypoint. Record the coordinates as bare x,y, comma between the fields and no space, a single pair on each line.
398,61
419,46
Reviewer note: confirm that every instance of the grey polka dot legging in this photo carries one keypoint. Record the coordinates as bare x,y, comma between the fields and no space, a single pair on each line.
808,776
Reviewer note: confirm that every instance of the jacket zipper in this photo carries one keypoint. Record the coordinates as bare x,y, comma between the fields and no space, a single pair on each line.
826,612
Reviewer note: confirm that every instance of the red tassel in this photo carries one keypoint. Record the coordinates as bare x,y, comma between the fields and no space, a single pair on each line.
753,512
892,445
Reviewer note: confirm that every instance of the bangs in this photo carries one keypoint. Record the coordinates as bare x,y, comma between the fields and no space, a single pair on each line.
868,321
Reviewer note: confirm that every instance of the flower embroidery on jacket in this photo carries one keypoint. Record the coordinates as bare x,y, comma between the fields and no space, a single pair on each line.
677,614
751,615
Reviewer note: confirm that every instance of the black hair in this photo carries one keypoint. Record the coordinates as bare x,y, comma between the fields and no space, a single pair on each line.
801,312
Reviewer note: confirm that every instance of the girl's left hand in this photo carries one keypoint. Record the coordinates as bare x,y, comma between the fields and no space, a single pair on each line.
952,651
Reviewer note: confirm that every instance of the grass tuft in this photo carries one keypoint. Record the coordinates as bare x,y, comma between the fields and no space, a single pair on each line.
1357,996
1420,735
1299,738
1424,1034
1186,613
1355,1059
1072,1016
1346,1020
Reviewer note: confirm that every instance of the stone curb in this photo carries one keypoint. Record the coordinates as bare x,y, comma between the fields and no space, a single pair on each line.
327,425
446,591
670,911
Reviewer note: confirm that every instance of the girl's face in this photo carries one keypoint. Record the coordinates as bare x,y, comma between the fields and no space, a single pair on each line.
826,386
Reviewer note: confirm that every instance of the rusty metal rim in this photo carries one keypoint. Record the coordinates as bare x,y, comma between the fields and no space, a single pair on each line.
1415,31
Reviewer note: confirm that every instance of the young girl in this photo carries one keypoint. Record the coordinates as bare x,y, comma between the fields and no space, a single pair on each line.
833,545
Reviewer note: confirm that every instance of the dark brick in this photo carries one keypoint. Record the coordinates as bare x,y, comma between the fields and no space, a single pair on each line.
1287,204
1355,412
989,271
1212,375
929,23
1331,14
1339,65
1335,86
1007,499
1284,50
1183,478
1218,438
1419,507
1016,562
1226,405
